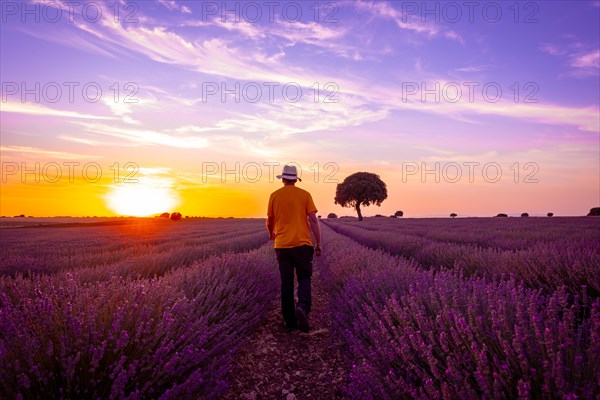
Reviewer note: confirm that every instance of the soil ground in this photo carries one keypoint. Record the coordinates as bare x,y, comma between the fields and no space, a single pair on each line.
277,364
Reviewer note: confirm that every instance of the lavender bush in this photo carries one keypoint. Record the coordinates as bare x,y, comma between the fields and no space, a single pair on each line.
545,259
417,333
128,250
172,337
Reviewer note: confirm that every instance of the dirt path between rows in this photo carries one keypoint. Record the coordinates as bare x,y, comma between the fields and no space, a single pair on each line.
276,364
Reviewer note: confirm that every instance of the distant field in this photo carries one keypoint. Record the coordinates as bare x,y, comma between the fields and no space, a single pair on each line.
427,308
15,222
19,222
543,252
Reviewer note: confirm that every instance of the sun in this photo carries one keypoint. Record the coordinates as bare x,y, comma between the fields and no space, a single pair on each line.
142,199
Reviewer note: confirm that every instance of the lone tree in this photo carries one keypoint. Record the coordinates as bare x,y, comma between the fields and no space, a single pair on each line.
550,214
360,189
331,215
453,215
502,215
594,212
398,214
525,215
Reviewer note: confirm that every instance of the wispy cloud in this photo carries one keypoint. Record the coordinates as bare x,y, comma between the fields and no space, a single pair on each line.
283,119
37,109
584,60
121,109
65,38
283,34
405,22
397,98
230,59
174,6
552,49
38,152
454,36
473,68
144,136
587,61
80,140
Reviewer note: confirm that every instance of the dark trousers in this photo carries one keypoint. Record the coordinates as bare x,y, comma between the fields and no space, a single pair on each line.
299,259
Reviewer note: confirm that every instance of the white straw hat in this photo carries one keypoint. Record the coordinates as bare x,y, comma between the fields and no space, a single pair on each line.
289,172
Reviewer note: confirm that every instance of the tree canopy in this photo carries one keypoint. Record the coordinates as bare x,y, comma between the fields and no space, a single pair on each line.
361,189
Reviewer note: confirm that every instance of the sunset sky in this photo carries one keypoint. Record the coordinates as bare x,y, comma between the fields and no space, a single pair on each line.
189,90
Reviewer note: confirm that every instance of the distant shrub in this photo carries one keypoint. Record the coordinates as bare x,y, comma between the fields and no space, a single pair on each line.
453,215
164,215
502,215
594,212
550,214
399,214
525,215
176,216
332,215
319,217
378,216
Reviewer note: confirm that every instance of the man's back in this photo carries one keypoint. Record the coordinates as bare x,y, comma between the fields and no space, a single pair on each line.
289,207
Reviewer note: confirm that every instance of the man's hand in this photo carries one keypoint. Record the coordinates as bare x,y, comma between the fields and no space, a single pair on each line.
316,231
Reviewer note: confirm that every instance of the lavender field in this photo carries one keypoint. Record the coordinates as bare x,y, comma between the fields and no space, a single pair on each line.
474,308
424,308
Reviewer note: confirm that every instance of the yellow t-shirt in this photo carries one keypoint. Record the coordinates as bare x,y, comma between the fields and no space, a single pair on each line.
289,208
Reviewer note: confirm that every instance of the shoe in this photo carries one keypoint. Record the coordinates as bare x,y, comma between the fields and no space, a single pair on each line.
290,327
302,319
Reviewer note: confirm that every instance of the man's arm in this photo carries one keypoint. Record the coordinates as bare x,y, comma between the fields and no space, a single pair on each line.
270,224
270,218
316,230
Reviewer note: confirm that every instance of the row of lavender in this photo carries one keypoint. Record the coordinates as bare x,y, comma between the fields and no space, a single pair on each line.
419,333
502,233
172,337
569,259
142,248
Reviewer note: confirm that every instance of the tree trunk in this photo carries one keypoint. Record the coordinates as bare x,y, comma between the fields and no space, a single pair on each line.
358,211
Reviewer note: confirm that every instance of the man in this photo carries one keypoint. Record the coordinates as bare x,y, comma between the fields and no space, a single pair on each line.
290,212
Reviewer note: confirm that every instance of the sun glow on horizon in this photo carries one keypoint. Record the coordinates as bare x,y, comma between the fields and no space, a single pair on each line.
142,199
